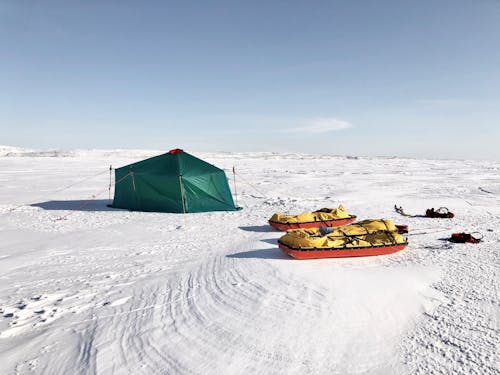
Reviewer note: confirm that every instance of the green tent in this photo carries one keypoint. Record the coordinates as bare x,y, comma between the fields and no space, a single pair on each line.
172,182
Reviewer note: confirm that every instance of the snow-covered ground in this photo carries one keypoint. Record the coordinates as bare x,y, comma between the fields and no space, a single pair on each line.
116,292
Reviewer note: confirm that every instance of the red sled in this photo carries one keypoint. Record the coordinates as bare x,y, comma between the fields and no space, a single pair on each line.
319,253
312,224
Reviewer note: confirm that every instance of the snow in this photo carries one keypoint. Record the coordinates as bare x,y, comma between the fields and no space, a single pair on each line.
88,289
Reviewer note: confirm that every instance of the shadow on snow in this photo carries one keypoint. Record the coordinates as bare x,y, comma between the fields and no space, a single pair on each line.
258,228
272,253
76,205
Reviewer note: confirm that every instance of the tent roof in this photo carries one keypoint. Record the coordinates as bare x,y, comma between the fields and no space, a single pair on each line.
176,162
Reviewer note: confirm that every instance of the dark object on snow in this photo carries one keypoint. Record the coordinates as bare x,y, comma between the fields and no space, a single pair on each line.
400,211
402,228
486,191
441,212
466,237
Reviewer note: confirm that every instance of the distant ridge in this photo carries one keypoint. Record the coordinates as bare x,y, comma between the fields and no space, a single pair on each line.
11,151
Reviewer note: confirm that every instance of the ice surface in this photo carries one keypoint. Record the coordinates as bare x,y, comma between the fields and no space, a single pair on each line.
116,292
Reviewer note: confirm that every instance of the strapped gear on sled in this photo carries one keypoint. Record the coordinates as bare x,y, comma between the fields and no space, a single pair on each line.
328,217
441,212
466,237
365,238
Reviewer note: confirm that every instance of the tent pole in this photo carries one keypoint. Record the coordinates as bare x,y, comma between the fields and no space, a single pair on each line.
182,194
109,188
133,181
235,192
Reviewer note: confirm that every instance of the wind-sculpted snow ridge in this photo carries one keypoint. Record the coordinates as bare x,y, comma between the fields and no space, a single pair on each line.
109,291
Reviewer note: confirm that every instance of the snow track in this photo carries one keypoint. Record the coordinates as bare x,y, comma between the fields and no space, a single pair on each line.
118,292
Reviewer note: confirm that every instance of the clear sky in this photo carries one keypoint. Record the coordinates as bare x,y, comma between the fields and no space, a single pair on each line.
407,78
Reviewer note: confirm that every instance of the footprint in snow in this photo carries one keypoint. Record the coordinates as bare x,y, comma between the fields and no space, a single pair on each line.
21,305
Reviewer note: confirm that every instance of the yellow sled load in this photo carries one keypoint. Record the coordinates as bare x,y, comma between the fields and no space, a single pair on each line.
367,237
326,217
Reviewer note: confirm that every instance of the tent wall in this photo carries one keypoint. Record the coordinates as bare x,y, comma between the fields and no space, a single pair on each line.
208,192
155,185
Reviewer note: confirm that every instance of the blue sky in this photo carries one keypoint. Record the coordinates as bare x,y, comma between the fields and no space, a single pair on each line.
406,78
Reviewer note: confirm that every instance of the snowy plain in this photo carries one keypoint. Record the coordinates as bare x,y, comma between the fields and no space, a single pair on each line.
86,289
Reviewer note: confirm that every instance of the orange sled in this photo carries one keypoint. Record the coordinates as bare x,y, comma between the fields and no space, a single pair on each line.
312,224
318,253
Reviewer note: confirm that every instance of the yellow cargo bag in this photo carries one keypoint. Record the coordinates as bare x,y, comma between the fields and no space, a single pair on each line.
320,215
366,233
